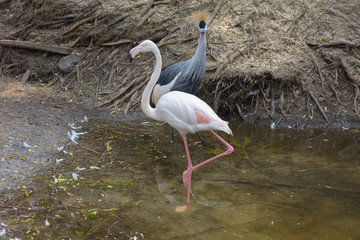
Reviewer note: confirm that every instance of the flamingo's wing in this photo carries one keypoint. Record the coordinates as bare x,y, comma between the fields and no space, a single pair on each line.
188,113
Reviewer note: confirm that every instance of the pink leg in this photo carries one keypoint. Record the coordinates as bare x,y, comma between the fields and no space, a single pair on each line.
187,173
229,150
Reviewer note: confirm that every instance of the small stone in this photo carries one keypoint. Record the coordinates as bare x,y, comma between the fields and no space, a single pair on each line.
67,63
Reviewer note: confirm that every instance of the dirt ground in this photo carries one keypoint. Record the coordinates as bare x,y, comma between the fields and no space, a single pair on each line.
289,63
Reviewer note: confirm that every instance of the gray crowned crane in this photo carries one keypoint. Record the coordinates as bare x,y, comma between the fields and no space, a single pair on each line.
185,76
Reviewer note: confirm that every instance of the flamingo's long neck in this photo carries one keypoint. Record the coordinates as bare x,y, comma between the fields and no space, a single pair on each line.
145,99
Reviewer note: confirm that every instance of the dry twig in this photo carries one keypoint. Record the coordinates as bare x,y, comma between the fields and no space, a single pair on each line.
131,93
148,6
339,44
123,90
35,46
319,106
122,41
318,68
327,9
348,72
145,17
112,54
25,76
355,100
122,17
216,10
78,24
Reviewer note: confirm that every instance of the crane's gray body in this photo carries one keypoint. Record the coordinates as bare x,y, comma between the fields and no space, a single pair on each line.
183,76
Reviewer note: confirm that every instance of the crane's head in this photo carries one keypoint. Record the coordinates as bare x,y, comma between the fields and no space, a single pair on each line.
201,18
202,26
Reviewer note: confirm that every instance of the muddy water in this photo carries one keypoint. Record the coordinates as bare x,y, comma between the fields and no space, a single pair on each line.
124,181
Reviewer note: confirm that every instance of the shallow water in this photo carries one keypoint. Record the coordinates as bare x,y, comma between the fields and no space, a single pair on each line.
124,180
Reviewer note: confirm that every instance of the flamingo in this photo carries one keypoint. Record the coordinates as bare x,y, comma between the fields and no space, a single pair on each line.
182,111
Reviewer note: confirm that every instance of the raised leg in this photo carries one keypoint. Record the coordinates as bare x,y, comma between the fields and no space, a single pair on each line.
187,173
229,150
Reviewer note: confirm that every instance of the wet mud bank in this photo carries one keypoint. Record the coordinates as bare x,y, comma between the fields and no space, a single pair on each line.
33,134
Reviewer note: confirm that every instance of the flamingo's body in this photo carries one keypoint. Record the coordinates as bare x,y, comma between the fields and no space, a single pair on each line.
188,113
183,111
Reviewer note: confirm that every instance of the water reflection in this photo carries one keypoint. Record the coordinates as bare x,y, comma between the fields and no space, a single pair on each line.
124,181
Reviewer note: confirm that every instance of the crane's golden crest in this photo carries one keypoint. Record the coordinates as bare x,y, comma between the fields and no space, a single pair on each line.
201,16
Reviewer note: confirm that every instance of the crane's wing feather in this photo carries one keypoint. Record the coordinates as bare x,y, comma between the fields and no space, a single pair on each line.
188,82
169,73
188,77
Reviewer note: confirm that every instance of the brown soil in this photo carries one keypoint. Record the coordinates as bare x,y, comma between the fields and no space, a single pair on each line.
294,63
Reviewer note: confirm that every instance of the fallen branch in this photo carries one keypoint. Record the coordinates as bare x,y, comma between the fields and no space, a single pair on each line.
60,21
335,92
113,53
319,106
75,42
101,31
91,150
123,90
148,6
318,68
130,102
272,102
348,72
66,17
215,12
122,17
25,76
327,9
145,17
354,82
217,96
339,44
111,75
78,24
120,101
97,93
355,101
35,46
122,41
157,37
295,22
175,41
239,111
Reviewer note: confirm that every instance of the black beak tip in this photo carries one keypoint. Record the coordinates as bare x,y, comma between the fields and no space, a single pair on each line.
130,58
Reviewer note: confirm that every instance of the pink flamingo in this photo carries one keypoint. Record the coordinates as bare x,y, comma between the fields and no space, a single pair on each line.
183,111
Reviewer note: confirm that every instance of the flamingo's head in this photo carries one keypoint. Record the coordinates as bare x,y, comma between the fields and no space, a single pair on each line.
144,46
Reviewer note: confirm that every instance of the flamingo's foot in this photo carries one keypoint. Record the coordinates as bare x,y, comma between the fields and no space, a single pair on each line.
187,177
181,209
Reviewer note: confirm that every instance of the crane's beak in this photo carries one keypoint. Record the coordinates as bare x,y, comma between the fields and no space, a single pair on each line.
130,58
